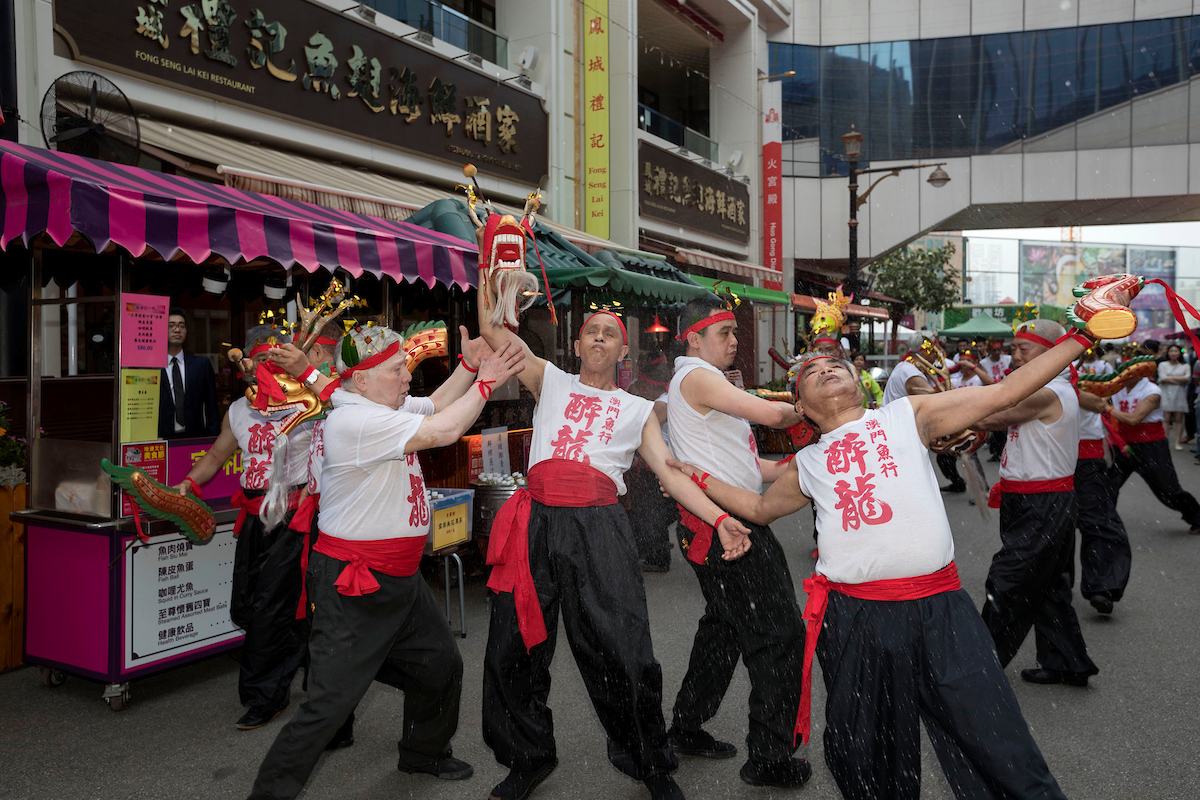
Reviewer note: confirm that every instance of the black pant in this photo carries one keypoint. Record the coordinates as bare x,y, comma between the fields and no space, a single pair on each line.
264,601
889,666
1104,554
1030,580
583,562
400,628
750,612
948,464
652,515
996,441
1152,460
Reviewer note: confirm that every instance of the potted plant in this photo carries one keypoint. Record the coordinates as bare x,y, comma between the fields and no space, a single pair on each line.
14,453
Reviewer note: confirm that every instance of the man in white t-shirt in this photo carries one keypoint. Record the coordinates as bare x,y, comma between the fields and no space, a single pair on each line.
998,364
750,608
1030,581
898,639
371,608
564,543
267,578
1136,409
1104,552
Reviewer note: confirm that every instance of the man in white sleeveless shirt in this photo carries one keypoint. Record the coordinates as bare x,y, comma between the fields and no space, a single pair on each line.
1032,575
750,604
564,543
266,566
371,607
898,639
1104,553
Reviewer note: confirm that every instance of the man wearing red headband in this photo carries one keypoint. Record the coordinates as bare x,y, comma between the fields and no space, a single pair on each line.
998,364
898,639
372,610
1031,577
266,565
750,604
565,543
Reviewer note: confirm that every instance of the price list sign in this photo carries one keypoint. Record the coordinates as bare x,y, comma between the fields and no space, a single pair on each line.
144,330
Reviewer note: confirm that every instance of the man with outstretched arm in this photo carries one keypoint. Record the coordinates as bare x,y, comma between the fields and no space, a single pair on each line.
1032,575
750,604
565,542
899,640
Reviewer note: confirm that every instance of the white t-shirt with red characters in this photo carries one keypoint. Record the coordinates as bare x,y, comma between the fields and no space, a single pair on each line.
718,443
1128,398
316,448
1036,451
997,368
370,488
879,511
596,427
256,434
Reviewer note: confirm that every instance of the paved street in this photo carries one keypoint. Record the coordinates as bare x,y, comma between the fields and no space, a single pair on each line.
1132,733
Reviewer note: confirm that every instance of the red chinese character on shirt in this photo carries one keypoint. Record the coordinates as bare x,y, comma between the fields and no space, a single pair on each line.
571,447
262,438
845,451
256,474
418,514
859,505
1124,406
880,434
884,452
583,406
872,424
889,467
753,445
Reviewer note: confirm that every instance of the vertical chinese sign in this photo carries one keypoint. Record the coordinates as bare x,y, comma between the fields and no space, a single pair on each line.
772,159
595,117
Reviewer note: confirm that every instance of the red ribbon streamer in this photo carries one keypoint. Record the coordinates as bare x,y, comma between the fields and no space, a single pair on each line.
1175,301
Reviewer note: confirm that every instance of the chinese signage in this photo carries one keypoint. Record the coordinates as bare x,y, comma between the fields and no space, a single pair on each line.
308,62
150,458
595,118
495,451
772,157
183,455
144,330
177,596
677,190
450,525
139,404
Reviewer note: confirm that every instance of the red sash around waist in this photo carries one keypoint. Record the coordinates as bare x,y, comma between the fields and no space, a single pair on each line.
556,482
818,588
306,512
1003,485
396,557
253,505
1142,433
702,533
1091,448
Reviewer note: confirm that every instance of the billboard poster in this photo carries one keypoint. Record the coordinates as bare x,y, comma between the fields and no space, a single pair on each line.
1153,312
1050,270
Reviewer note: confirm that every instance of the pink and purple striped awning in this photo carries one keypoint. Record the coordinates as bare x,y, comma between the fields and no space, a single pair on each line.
44,191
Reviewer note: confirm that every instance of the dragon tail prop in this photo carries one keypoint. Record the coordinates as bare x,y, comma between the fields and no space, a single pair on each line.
193,516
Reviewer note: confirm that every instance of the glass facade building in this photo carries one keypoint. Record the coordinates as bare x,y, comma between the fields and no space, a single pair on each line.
1117,85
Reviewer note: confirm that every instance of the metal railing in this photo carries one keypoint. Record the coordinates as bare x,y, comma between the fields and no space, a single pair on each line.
664,127
448,25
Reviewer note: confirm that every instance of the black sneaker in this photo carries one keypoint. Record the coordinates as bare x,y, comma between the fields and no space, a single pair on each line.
258,716
699,743
954,489
790,774
448,768
344,736
520,783
663,787
1102,603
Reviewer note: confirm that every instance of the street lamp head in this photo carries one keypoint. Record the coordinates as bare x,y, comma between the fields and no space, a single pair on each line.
853,142
938,178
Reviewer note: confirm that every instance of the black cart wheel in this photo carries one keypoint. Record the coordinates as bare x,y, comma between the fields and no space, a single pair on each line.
52,678
119,702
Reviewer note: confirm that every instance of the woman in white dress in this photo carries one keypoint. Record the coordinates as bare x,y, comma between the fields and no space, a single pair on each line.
1173,377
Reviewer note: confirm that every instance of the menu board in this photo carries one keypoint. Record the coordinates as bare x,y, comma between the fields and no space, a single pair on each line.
139,404
150,458
177,596
144,330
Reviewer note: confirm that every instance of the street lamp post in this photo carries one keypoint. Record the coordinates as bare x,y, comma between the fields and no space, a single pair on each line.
853,144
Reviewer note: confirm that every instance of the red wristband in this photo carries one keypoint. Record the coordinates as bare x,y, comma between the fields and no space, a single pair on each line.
717,524
485,389
195,487
700,481
1084,338
308,373
467,366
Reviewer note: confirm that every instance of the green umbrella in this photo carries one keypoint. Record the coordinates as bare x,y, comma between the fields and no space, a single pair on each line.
983,325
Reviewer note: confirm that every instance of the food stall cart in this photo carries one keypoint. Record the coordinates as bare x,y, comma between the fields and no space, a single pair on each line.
105,600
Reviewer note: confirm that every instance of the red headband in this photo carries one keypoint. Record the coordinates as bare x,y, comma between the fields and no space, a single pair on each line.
826,339
806,363
262,348
696,327
1033,337
621,325
325,340
374,361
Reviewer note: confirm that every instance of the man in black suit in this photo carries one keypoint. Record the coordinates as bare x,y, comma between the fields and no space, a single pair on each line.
187,400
